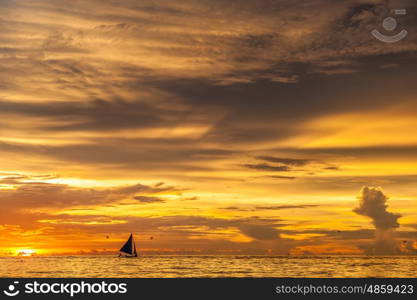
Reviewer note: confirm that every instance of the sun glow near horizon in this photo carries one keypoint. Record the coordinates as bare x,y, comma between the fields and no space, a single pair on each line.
25,252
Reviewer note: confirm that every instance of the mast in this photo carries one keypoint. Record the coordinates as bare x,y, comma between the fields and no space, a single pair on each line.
135,253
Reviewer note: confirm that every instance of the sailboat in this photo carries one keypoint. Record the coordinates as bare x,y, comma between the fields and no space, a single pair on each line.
129,248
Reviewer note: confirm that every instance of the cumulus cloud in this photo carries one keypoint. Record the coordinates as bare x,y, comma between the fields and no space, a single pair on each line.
372,204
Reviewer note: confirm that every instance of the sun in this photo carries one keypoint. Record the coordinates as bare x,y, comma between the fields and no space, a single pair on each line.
25,252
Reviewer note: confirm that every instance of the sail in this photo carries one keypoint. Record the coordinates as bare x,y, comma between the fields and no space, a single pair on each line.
135,253
129,247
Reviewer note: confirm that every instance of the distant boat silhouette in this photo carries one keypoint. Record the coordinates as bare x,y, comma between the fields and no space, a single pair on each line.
129,248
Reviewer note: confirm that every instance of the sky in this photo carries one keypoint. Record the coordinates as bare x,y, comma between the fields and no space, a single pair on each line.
207,127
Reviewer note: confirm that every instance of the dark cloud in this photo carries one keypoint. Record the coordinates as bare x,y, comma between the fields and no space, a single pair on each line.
49,195
267,167
132,153
95,115
360,13
279,164
279,207
259,232
366,152
272,207
286,161
148,200
280,177
280,119
13,179
332,168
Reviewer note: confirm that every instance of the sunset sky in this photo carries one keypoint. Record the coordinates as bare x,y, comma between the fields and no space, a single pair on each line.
207,127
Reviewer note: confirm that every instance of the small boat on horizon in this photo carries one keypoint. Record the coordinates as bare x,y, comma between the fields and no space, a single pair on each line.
129,248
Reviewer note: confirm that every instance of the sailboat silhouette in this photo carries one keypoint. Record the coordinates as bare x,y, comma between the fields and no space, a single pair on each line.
129,248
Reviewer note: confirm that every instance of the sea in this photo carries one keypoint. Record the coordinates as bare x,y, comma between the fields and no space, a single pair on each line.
209,266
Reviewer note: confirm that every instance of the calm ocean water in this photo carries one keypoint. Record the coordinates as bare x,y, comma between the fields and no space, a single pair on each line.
208,266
